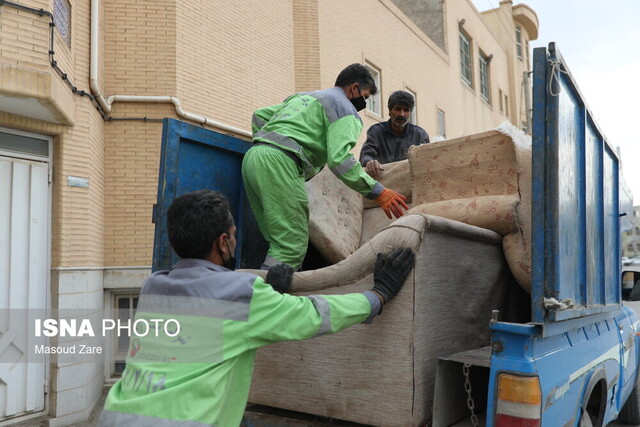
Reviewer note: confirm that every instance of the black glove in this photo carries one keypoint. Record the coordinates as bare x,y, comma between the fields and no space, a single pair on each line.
391,271
279,277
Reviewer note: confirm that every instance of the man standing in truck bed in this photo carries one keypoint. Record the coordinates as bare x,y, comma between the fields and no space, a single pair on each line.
390,141
293,141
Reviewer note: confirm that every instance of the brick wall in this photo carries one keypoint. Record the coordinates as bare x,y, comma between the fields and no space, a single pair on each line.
204,54
233,57
25,36
222,59
132,157
78,150
306,43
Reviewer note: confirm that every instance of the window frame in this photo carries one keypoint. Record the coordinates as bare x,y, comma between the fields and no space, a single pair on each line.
506,105
441,125
467,68
485,77
112,353
374,102
413,118
519,42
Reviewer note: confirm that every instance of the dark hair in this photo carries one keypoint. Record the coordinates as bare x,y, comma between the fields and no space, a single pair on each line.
357,73
195,220
400,97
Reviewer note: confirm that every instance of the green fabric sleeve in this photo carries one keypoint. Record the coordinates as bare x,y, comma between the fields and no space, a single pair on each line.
261,116
341,138
275,317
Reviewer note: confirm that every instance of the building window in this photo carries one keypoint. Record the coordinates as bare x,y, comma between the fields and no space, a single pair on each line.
413,118
373,103
500,100
519,42
124,308
465,58
506,105
485,91
442,129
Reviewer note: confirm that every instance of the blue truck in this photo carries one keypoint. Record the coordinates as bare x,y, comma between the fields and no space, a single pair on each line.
575,363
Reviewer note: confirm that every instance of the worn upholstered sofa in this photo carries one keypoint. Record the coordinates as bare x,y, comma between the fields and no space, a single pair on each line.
466,214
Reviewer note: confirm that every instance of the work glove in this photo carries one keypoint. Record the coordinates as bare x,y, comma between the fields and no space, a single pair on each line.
279,276
391,271
390,201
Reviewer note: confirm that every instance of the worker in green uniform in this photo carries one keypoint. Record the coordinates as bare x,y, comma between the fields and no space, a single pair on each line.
198,371
293,141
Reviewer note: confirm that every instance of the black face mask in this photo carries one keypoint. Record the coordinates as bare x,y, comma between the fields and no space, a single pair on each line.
229,263
359,103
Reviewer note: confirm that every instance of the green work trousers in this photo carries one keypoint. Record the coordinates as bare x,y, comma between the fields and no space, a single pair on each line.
276,193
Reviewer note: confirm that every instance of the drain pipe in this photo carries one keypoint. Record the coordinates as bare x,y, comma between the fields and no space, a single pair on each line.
93,68
106,103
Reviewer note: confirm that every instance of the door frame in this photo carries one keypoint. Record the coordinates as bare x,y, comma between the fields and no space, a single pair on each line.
49,161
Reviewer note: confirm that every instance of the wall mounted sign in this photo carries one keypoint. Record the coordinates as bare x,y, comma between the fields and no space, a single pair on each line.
62,19
76,181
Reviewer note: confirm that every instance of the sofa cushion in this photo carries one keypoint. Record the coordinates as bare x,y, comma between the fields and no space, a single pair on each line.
497,213
335,216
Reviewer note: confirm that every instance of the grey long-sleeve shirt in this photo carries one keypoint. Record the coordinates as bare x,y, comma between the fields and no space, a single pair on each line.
386,147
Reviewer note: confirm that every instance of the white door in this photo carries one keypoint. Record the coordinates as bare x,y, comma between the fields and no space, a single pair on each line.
24,265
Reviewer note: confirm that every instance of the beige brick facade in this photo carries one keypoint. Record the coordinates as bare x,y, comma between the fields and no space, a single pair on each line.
221,60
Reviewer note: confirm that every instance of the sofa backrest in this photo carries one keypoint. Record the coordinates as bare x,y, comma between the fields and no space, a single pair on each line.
483,180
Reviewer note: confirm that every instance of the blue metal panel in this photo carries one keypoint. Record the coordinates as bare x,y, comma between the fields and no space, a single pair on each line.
195,158
575,224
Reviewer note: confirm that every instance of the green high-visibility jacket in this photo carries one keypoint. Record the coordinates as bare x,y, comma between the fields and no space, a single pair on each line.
321,128
200,372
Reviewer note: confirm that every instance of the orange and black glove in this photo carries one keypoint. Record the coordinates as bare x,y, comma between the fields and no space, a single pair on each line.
390,201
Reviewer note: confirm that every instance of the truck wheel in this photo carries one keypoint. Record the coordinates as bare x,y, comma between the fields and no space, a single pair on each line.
630,413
